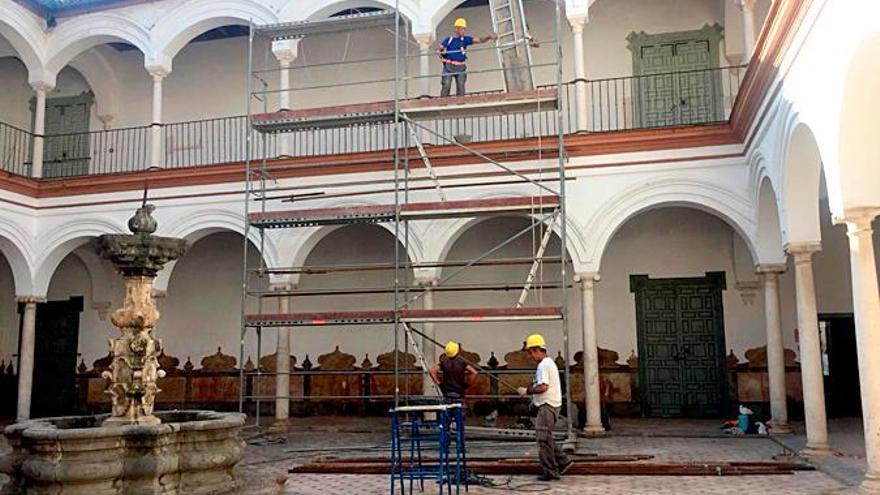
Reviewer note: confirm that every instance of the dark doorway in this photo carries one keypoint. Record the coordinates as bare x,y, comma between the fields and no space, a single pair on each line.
842,371
682,371
57,336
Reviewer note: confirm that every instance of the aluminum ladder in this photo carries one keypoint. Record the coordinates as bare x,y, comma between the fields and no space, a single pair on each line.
513,44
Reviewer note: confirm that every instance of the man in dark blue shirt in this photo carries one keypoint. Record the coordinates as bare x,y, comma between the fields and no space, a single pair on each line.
453,53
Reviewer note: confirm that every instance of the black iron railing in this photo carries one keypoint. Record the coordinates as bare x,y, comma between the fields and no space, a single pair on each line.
15,149
96,152
613,104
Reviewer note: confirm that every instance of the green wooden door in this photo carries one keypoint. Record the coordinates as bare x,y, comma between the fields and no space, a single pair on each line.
66,150
682,371
675,81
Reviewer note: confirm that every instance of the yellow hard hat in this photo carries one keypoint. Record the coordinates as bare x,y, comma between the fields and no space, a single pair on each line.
461,22
452,349
535,340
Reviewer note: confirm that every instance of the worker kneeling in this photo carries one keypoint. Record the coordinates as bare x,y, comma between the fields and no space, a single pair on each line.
453,53
546,393
453,374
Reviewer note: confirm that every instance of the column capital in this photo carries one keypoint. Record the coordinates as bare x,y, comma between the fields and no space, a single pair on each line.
578,21
285,51
27,299
157,73
770,268
424,39
586,278
281,286
43,86
426,281
857,219
42,79
803,250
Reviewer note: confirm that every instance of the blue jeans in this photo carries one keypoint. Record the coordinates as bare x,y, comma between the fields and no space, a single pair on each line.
450,72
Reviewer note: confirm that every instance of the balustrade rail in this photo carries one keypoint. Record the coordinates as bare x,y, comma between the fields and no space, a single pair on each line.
15,149
96,152
613,104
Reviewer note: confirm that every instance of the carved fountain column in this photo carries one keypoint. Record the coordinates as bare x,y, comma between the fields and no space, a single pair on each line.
134,371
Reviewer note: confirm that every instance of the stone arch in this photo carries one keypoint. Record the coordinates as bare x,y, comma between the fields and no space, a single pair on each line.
100,272
859,138
195,225
180,25
22,29
296,10
13,247
714,199
769,235
63,241
454,230
802,173
80,33
101,77
163,278
437,12
297,246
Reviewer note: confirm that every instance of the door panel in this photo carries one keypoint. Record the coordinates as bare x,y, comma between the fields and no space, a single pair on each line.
55,358
681,345
673,83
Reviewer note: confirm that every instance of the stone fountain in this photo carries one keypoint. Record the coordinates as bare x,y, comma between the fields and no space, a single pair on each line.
133,449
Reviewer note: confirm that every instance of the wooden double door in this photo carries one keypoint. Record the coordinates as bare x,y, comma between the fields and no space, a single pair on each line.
677,81
680,321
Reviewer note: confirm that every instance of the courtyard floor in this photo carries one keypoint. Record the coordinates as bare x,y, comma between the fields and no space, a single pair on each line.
269,455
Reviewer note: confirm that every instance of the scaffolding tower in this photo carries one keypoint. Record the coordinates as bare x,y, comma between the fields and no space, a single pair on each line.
408,121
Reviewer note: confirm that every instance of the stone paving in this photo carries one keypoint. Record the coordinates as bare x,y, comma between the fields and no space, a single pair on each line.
265,465
268,456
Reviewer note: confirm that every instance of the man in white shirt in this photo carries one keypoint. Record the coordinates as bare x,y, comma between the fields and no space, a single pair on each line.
546,393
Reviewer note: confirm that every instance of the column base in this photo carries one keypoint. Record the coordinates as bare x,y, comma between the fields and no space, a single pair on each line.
816,450
592,431
871,484
780,428
279,426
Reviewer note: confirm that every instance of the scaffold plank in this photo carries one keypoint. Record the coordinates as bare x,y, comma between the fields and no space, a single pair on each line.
335,24
409,316
410,211
475,105
481,104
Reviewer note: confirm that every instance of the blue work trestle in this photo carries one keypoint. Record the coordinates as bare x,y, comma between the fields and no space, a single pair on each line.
428,429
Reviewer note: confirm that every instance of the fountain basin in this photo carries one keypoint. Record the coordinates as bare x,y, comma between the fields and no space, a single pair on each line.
190,452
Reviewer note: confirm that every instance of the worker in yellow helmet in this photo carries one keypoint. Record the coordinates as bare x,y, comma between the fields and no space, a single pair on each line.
453,373
546,392
453,53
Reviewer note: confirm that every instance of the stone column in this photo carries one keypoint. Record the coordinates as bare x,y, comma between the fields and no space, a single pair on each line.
577,31
426,49
40,91
592,392
769,274
26,355
156,151
282,364
866,306
285,52
748,11
429,348
810,349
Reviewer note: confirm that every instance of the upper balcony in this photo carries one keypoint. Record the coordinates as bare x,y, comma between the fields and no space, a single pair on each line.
106,116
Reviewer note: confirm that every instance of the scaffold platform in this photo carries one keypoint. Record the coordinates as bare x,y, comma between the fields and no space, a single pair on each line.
471,315
475,105
343,215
